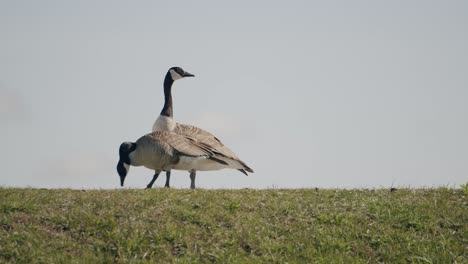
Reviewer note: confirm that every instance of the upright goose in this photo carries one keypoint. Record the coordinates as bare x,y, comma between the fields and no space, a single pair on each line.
163,151
165,122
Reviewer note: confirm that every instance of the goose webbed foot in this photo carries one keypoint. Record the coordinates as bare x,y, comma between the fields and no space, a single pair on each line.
156,174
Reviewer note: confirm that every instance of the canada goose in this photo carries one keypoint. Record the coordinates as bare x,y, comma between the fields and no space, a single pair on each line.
165,122
163,151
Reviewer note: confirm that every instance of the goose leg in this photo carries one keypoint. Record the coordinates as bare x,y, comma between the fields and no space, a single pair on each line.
192,179
168,177
156,174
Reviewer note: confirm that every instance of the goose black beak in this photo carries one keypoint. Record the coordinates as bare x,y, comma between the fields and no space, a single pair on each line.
188,74
122,179
122,170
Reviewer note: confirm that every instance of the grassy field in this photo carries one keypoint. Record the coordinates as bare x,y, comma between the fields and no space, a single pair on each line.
232,226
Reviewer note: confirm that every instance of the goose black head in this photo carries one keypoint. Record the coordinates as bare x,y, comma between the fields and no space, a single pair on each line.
123,166
177,73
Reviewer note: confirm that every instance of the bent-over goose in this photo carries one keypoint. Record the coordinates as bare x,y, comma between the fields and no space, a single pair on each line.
163,151
165,122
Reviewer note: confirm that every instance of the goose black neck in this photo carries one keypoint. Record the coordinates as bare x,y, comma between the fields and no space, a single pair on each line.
167,109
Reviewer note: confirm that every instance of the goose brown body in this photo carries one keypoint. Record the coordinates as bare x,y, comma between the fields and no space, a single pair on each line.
163,151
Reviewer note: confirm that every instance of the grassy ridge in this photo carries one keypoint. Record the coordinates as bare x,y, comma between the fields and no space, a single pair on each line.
352,226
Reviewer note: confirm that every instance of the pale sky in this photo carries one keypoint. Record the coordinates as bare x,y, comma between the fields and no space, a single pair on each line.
341,94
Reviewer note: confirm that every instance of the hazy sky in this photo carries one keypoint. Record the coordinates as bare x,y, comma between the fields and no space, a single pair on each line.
308,93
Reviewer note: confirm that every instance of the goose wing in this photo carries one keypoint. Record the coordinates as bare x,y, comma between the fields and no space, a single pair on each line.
182,145
185,146
206,138
198,134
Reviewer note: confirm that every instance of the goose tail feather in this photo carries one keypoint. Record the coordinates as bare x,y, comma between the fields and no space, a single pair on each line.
247,168
243,171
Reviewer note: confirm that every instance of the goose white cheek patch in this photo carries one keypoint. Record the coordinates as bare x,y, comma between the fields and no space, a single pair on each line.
127,167
175,76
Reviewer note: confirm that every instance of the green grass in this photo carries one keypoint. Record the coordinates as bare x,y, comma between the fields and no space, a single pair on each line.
232,226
